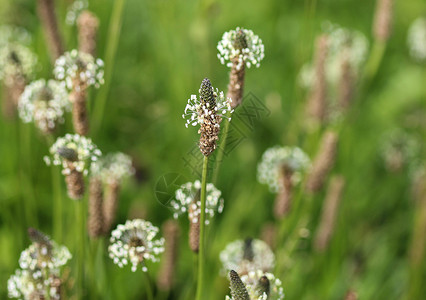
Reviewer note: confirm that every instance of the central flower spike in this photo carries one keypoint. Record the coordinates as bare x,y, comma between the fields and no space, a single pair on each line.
207,111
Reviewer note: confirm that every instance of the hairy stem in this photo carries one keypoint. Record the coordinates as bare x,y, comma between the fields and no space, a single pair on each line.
202,230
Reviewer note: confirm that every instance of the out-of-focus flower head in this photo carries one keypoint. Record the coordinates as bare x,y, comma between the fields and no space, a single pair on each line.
342,43
16,60
113,167
247,255
274,159
135,242
416,39
43,253
243,45
44,103
79,70
31,284
73,152
74,11
188,201
11,34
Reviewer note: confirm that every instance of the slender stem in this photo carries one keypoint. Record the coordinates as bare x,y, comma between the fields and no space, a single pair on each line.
80,245
374,60
57,204
202,229
149,292
111,49
221,150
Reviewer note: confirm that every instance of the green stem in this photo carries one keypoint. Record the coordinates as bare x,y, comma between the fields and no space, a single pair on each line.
111,49
57,204
149,292
221,150
80,245
28,189
374,60
202,229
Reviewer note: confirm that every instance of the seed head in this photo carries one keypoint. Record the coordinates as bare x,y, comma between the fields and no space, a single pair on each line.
188,201
134,243
236,256
44,103
16,60
73,152
263,286
269,170
79,70
241,45
113,167
238,289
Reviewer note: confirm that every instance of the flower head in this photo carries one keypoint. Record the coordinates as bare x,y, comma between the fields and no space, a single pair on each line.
43,253
243,45
247,255
32,284
73,152
74,10
207,111
113,167
12,34
134,243
342,44
79,70
416,39
188,201
263,286
274,159
16,60
44,103
40,269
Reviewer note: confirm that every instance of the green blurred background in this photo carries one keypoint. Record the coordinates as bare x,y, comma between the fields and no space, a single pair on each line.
164,51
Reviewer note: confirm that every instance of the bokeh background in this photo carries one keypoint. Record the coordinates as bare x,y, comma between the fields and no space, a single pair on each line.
163,50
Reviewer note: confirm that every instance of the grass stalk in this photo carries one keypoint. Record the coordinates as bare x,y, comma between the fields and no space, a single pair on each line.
374,60
57,204
80,247
111,49
202,230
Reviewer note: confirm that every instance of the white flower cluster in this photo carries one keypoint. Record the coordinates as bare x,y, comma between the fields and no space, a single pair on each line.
12,34
188,201
74,11
416,39
342,44
242,44
29,284
39,256
40,270
113,167
86,153
251,281
16,60
273,159
232,257
78,66
44,103
195,112
134,242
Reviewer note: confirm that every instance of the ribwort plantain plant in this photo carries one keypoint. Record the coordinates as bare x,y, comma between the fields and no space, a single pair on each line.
238,49
206,111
